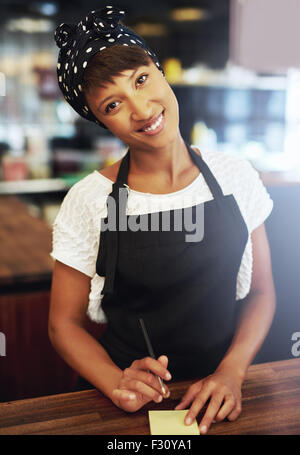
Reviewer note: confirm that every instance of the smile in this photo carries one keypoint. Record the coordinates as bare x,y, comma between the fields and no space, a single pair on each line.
156,126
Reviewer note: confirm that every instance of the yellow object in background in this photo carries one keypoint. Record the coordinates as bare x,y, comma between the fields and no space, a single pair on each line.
203,136
173,70
171,422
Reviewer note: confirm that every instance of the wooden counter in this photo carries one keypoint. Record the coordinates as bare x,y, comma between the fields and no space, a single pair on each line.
25,246
271,405
30,366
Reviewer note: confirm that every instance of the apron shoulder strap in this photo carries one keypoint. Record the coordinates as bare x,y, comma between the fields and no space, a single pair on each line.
209,178
108,248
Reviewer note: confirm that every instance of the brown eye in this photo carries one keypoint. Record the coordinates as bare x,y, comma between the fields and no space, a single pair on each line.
143,76
141,80
108,107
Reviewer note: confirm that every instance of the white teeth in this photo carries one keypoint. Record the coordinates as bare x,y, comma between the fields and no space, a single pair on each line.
155,125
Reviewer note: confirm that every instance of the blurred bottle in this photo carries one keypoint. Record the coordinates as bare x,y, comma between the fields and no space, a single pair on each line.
203,136
173,70
14,168
37,154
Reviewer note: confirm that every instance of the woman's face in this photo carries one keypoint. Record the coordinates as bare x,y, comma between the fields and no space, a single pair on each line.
138,99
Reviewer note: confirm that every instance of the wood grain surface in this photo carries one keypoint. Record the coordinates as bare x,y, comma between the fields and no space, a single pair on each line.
271,406
26,242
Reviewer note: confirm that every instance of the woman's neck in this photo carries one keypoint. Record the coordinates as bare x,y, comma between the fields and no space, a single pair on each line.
167,164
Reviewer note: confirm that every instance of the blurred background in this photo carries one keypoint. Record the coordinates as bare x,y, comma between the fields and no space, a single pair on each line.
235,69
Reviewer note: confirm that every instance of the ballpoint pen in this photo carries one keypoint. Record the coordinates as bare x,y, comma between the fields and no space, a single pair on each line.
151,353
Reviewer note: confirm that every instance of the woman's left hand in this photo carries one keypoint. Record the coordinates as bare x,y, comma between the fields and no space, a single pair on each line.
223,388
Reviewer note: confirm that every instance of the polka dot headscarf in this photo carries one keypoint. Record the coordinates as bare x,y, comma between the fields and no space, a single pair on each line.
78,43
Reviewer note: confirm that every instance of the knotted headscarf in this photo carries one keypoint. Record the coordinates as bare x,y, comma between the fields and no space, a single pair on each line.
78,43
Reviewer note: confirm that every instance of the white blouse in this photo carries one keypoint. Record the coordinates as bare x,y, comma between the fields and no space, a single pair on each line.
76,229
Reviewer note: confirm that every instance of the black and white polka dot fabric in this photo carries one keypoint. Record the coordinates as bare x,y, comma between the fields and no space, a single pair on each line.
78,43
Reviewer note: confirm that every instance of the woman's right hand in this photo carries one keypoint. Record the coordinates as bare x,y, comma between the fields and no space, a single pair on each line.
139,385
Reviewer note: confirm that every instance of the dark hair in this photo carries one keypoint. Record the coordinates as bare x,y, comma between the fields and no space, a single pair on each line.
110,63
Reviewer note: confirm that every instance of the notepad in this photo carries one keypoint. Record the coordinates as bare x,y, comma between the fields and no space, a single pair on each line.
171,422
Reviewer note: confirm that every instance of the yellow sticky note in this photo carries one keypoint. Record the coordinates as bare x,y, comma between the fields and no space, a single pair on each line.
171,422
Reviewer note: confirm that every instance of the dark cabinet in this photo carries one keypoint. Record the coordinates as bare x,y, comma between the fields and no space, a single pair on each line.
283,229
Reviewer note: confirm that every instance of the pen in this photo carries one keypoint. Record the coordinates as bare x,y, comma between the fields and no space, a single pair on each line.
151,353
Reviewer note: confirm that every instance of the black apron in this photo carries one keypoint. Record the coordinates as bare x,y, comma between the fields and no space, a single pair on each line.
184,291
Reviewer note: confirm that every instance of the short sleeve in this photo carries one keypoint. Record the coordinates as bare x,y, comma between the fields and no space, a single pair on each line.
256,202
75,239
256,205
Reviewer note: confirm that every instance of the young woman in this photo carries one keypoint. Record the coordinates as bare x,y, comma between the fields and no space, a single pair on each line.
207,302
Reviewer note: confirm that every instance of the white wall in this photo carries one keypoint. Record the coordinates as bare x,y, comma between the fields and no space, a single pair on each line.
265,34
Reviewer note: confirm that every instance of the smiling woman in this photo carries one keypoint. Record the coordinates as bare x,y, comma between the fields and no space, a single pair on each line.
187,293
133,102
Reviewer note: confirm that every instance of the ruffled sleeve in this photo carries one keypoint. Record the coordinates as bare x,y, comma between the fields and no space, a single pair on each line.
255,199
75,239
256,205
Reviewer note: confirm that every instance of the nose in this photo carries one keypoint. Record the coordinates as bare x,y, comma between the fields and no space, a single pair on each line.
141,108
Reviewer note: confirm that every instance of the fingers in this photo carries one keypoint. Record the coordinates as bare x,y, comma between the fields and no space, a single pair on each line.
198,403
127,400
163,359
143,382
189,396
230,409
124,395
226,409
154,366
218,409
222,393
235,413
141,378
139,383
210,413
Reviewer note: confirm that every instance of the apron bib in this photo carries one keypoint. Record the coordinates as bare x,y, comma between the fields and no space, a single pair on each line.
184,290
